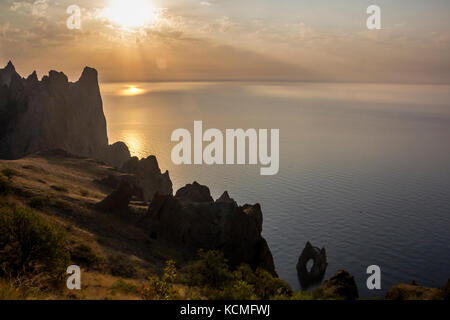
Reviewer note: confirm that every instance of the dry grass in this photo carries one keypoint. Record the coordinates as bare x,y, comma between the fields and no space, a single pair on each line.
70,188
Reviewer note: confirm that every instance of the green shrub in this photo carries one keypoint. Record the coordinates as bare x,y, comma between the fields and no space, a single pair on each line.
235,290
29,245
121,266
83,255
5,185
216,281
122,286
266,285
316,294
320,294
9,173
210,270
161,287
38,202
298,295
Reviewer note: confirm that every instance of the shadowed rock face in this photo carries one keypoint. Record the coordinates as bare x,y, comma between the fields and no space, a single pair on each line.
119,199
193,220
194,193
51,114
149,176
54,114
117,154
342,284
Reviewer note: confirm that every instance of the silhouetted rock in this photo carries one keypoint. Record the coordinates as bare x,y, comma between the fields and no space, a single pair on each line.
342,284
319,258
120,198
53,114
117,154
225,197
32,80
193,220
149,176
194,192
6,74
446,291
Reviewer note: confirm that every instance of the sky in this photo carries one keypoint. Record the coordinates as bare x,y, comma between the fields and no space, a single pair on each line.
200,40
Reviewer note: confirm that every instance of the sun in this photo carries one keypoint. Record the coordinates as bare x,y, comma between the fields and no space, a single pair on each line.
131,13
131,91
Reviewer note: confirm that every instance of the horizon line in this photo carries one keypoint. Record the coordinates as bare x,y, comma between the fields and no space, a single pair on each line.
276,80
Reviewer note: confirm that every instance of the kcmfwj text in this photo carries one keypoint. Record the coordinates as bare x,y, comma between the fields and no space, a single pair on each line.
235,147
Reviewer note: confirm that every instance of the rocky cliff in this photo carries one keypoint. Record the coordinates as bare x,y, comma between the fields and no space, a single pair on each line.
150,179
192,219
54,113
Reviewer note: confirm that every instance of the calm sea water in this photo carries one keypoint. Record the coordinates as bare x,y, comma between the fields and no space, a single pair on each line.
364,169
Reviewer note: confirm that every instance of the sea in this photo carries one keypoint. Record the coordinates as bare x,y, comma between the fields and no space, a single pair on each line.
364,168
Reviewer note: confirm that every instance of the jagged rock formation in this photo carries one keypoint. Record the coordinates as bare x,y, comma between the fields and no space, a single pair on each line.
225,197
117,154
194,192
8,72
315,275
342,284
149,177
119,199
54,114
193,220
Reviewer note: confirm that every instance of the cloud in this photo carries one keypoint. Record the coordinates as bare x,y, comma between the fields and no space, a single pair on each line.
225,24
39,8
36,8
199,45
19,5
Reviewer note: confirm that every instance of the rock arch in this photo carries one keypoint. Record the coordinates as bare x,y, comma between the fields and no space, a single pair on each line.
319,258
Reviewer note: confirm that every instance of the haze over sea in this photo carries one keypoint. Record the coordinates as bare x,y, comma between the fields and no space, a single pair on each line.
364,168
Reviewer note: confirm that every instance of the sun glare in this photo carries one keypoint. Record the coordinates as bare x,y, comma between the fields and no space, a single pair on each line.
131,13
132,91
